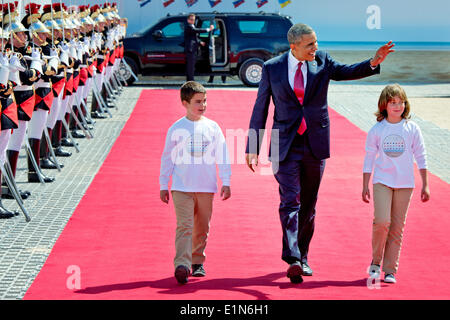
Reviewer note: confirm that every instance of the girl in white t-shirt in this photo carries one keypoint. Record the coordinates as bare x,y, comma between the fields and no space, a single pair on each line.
391,147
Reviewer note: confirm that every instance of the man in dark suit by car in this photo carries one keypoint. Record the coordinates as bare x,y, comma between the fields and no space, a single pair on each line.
191,43
298,83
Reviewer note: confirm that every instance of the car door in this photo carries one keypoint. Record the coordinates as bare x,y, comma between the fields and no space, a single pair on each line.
164,44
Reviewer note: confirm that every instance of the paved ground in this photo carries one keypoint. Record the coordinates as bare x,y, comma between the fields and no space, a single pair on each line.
24,247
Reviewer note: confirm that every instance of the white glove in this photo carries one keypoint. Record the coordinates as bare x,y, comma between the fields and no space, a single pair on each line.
64,47
53,53
36,54
4,60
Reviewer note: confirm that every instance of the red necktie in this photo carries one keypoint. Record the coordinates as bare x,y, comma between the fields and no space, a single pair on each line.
299,89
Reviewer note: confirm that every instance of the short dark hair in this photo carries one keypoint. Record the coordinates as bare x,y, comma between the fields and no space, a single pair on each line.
191,15
297,31
189,89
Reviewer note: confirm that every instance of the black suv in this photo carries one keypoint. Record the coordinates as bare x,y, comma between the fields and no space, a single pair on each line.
238,45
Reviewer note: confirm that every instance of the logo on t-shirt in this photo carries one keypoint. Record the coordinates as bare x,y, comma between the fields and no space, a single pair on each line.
394,146
197,144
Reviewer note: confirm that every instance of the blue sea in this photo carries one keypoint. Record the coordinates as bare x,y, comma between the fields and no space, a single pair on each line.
362,46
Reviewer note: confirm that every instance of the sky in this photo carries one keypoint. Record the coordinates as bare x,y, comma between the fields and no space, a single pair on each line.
333,20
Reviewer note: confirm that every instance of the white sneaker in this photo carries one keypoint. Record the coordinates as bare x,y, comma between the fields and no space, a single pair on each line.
389,278
374,271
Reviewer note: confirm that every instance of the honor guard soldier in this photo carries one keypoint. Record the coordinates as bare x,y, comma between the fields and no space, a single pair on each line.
9,120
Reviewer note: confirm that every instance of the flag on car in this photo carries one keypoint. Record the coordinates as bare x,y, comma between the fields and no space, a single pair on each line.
284,3
260,3
190,3
144,2
214,3
238,3
168,2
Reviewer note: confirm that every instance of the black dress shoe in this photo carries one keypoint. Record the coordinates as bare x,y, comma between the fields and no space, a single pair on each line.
34,178
182,274
6,214
47,164
295,272
78,135
60,152
307,271
98,115
88,127
66,142
6,194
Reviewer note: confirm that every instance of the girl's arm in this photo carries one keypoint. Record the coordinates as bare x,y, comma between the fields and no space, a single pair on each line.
421,159
425,193
369,159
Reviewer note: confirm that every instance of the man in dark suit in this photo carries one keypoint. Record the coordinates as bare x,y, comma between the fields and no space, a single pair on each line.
298,83
191,43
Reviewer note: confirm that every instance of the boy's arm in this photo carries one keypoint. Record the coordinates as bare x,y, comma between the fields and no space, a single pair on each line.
164,196
225,193
166,169
223,162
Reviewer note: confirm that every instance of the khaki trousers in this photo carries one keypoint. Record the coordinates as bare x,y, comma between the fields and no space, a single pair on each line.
193,211
391,206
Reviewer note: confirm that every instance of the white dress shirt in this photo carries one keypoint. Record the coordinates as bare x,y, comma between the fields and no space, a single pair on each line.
292,69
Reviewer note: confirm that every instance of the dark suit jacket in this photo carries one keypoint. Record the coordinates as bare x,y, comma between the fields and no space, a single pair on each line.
191,40
288,110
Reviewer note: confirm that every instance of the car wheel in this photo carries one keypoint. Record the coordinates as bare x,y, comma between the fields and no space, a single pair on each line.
250,72
126,73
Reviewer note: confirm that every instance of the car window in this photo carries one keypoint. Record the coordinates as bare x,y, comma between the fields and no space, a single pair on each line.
205,24
252,26
173,30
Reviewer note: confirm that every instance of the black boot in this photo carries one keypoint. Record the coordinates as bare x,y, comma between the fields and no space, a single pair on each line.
46,162
32,174
83,109
59,132
13,157
106,97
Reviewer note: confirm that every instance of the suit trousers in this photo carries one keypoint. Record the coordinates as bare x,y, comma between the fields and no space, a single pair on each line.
299,177
391,206
191,59
193,211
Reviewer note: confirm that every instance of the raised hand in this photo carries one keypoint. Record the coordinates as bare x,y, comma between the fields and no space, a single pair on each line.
382,53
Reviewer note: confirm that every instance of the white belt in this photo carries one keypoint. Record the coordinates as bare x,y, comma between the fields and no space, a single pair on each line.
42,85
23,88
83,66
101,57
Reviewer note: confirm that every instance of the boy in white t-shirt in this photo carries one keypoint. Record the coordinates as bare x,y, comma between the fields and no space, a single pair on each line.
195,147
391,147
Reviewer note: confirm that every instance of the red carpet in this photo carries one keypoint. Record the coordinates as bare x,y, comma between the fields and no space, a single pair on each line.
121,236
